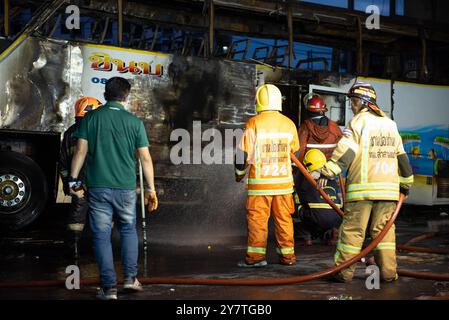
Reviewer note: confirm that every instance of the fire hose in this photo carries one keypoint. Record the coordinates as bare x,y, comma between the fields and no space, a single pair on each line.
260,282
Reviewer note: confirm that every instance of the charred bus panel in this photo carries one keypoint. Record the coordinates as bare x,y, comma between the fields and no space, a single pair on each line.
42,80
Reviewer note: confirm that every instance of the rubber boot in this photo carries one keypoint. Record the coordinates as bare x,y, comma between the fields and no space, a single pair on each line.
73,244
334,238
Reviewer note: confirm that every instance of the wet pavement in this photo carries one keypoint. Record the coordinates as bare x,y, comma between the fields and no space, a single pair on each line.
41,254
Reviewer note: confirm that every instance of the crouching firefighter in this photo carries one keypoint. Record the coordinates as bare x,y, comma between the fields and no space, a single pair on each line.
265,148
79,206
378,169
317,219
316,132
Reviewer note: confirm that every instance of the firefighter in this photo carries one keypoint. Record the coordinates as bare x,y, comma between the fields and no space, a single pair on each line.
79,206
378,169
316,217
316,132
265,148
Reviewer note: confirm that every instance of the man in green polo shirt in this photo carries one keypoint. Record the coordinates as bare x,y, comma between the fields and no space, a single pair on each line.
109,137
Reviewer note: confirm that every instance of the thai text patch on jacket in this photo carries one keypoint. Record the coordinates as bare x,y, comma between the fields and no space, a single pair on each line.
371,149
267,143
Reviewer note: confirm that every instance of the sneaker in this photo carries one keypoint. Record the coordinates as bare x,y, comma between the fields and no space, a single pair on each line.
107,293
243,264
288,263
132,285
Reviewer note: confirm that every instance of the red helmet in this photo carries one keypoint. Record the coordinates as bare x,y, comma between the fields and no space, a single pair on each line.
316,104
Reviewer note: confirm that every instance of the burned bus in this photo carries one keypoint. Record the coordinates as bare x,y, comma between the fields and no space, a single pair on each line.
41,77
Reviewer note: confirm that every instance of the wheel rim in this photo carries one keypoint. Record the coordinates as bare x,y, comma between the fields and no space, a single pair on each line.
13,191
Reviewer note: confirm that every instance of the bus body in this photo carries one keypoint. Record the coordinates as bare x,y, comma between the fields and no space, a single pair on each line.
42,79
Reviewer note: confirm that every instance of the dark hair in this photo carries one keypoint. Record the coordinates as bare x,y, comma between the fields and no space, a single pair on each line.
117,88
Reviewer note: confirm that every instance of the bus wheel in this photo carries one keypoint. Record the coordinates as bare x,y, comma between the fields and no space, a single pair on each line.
23,190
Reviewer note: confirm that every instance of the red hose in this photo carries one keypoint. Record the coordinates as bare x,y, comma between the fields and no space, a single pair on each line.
422,237
422,249
407,247
261,282
420,275
257,282
312,181
423,275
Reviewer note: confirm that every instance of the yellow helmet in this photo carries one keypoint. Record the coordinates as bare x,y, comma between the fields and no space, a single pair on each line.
268,97
314,159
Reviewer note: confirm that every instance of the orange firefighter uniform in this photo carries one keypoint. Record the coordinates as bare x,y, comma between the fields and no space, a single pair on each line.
266,145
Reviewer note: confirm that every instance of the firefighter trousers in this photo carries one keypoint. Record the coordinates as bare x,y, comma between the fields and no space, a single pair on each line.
360,216
259,209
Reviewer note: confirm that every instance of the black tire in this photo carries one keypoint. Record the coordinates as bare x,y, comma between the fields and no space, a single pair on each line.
33,202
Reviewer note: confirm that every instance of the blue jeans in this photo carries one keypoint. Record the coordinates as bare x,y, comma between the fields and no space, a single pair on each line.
103,204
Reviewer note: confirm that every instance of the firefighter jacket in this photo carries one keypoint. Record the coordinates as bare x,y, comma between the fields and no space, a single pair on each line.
266,144
371,149
318,133
309,197
314,210
67,151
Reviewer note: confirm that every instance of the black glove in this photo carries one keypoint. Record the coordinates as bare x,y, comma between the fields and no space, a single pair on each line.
75,185
65,186
404,191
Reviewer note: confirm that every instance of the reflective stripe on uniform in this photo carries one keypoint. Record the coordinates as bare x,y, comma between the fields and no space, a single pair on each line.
285,251
240,172
336,256
321,146
260,250
372,194
321,206
270,192
270,181
347,248
372,186
406,180
296,198
386,246
75,226
363,91
333,167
